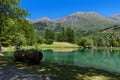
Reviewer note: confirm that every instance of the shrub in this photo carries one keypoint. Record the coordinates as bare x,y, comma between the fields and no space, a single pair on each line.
49,41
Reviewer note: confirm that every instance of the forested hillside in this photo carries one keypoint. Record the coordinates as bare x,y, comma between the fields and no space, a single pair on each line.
89,29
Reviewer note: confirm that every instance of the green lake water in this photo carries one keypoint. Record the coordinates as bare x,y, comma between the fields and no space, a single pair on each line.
101,59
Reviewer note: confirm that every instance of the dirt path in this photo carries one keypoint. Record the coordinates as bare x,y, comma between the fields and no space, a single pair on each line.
13,73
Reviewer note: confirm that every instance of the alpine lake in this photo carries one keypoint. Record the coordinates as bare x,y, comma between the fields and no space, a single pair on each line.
103,59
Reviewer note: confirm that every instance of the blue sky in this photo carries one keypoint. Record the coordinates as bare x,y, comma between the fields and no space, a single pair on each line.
60,8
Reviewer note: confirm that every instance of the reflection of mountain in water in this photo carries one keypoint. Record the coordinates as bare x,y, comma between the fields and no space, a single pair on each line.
102,59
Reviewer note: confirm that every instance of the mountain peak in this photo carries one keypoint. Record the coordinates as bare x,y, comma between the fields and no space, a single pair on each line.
85,14
115,18
45,18
116,15
41,19
80,15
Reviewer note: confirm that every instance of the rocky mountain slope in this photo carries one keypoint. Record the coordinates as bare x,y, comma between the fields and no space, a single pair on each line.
80,21
115,18
85,21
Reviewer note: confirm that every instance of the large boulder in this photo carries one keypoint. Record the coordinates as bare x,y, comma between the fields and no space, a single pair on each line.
28,56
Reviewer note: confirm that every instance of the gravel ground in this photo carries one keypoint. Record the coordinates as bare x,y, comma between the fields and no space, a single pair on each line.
13,73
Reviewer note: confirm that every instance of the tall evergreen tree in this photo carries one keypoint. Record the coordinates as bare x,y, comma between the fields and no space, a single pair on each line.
49,34
70,33
62,35
66,35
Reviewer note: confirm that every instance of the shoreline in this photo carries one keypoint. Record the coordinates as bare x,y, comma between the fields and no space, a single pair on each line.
53,71
113,48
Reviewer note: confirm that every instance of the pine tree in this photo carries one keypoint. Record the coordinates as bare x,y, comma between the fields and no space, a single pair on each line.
49,36
70,33
66,35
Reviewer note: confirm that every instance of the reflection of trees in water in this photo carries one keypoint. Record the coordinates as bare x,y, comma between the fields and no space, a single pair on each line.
106,59
99,58
8,54
48,55
59,57
64,58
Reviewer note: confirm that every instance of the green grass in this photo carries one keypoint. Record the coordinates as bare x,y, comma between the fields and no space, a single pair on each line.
62,72
54,46
59,45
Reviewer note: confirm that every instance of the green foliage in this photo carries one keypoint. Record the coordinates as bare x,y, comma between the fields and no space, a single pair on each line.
49,41
49,35
108,37
15,29
28,31
70,33
39,40
12,9
106,40
19,33
85,42
62,37
20,40
66,35
28,50
10,12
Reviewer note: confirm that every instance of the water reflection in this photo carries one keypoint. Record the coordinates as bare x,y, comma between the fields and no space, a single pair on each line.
102,59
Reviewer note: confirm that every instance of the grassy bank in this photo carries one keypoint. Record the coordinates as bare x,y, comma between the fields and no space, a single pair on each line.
59,45
62,72
54,46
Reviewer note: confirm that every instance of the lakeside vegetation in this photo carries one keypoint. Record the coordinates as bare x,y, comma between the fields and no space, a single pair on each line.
55,45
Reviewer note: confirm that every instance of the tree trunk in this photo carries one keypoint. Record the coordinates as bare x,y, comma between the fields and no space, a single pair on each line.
0,46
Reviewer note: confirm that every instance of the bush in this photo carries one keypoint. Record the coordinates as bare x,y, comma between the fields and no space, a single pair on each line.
85,42
40,40
49,41
5,44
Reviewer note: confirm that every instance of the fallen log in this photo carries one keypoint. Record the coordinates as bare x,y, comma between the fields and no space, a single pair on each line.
28,56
